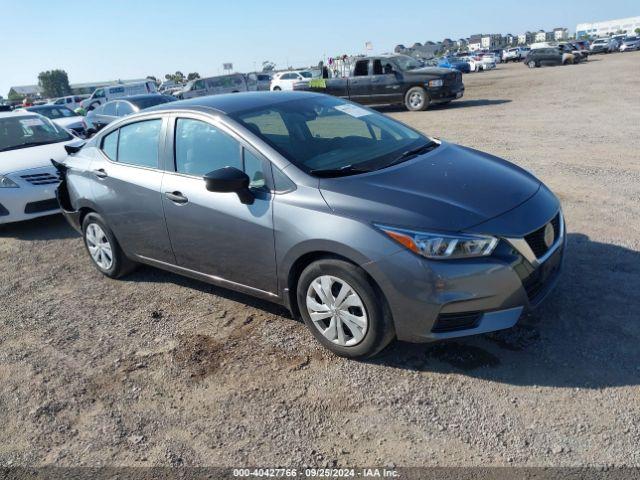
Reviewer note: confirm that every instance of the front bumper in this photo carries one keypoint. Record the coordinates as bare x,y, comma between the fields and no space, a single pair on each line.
445,93
28,200
434,300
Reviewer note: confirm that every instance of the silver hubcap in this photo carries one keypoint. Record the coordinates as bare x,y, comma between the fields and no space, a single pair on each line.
416,99
99,246
337,311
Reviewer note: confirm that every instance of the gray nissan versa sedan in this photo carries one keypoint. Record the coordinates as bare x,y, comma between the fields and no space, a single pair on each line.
364,227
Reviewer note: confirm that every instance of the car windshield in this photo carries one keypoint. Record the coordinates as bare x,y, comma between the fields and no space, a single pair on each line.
53,112
28,131
147,102
326,136
407,63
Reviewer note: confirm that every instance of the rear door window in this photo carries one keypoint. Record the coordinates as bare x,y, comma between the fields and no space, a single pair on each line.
124,109
110,145
138,143
109,109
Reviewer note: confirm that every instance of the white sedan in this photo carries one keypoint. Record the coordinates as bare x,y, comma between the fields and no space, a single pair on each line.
28,180
285,80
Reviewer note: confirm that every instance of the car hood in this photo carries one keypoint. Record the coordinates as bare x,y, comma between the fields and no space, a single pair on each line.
32,157
451,188
438,71
68,121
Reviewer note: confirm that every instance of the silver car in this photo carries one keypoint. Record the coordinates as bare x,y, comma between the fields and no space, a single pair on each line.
363,227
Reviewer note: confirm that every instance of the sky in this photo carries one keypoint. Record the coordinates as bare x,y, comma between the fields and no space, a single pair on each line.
118,39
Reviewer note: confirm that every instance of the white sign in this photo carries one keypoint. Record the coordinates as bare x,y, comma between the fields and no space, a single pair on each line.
32,122
353,110
368,46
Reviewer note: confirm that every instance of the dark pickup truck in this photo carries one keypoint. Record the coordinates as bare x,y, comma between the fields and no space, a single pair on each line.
392,79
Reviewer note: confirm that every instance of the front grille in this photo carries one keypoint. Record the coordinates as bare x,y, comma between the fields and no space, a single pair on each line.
453,78
536,239
41,178
449,322
533,286
536,284
41,206
3,211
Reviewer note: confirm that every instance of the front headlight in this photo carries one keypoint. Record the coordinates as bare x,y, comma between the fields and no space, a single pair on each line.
436,83
6,182
442,247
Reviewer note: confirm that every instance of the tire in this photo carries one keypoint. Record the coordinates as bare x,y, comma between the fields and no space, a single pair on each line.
532,64
416,99
374,328
98,236
276,89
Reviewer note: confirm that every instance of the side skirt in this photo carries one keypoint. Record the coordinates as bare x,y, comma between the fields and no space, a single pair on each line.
212,279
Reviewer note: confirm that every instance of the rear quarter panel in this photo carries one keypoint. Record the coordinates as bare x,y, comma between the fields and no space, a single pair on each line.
79,179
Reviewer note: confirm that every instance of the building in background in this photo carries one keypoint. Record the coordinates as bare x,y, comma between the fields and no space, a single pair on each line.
608,27
462,43
560,34
475,42
541,36
20,92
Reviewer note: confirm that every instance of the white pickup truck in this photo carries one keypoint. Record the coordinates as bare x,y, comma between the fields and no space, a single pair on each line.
515,54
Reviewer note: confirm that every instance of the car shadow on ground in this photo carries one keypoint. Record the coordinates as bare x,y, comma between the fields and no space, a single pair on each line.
483,102
52,227
146,273
586,334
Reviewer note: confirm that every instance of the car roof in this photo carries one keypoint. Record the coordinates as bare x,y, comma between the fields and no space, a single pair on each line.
235,102
17,113
141,96
46,106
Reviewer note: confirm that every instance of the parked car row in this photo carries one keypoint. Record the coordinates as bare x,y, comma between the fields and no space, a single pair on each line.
615,44
546,54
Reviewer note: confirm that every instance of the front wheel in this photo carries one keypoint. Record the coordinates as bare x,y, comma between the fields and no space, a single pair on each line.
532,64
276,89
343,310
103,248
416,99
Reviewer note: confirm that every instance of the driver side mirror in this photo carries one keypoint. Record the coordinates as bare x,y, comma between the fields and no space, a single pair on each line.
227,180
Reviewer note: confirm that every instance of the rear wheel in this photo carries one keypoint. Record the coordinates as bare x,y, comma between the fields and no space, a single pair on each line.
103,248
343,310
416,99
276,89
532,64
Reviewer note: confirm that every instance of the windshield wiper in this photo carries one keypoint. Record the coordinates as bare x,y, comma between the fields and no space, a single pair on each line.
338,172
427,147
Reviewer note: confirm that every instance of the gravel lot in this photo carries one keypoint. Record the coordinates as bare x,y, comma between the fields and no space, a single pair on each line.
156,369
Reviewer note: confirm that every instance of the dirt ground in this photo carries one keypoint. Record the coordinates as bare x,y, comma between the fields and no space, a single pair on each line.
156,369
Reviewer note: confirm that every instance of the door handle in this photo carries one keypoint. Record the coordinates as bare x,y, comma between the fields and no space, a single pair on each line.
176,197
100,173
